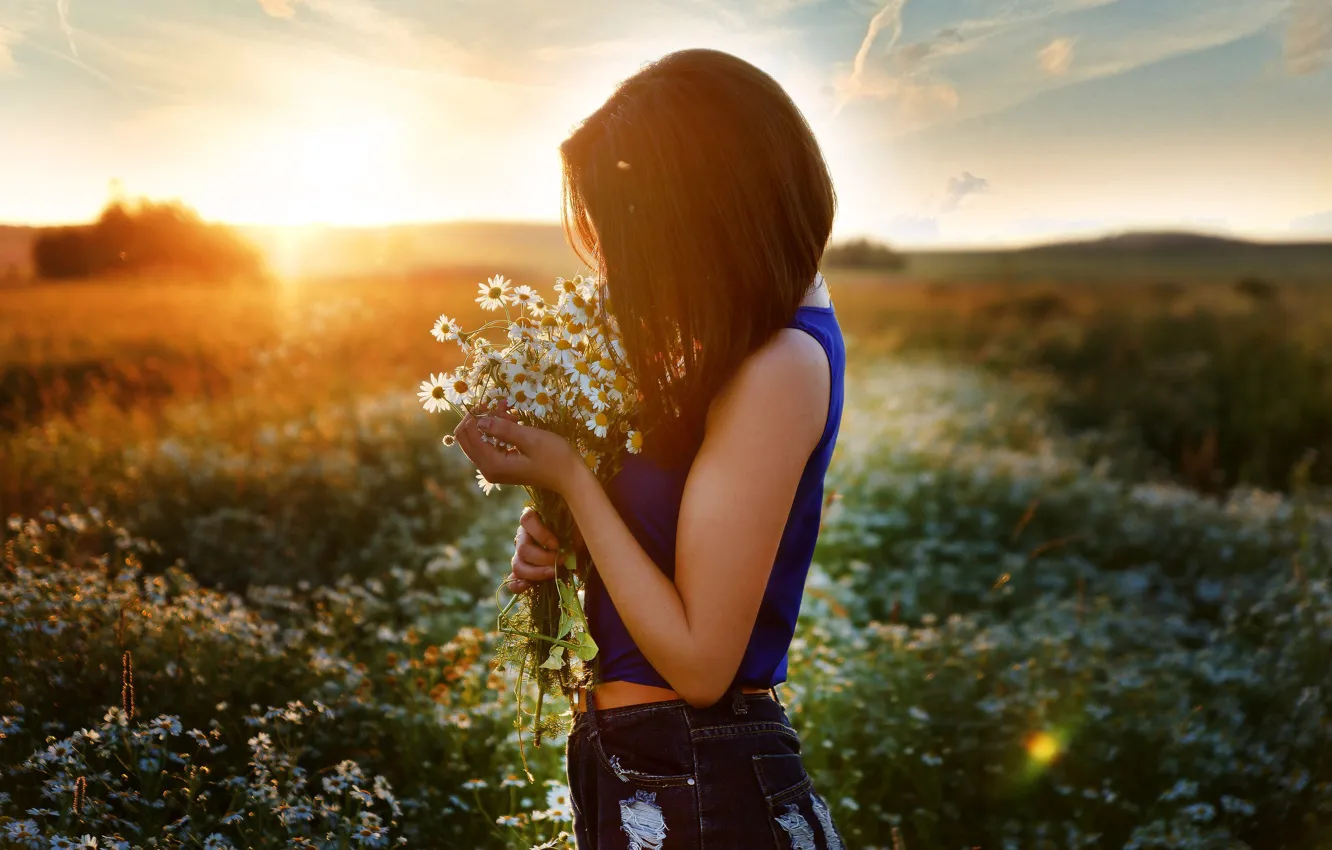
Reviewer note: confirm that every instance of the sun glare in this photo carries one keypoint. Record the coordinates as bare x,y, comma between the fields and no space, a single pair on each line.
342,167
1043,748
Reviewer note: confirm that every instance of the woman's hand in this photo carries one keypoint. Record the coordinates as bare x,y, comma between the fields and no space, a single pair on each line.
535,550
539,458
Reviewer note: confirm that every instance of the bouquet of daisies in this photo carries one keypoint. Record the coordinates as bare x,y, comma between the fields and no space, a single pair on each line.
560,367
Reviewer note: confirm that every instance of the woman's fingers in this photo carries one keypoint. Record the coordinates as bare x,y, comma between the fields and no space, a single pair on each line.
531,523
532,553
530,572
517,585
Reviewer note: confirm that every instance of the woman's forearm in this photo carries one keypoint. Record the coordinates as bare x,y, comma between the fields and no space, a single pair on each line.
648,602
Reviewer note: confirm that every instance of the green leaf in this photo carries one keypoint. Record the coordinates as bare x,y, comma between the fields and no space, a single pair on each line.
556,659
587,647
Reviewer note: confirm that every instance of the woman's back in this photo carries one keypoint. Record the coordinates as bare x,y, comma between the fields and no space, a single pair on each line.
648,497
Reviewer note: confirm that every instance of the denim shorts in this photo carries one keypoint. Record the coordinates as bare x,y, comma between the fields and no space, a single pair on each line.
669,776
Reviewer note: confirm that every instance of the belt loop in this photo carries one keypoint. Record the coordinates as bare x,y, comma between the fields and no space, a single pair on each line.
738,700
773,690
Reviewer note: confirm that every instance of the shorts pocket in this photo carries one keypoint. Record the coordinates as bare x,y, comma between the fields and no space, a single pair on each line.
789,793
650,748
782,777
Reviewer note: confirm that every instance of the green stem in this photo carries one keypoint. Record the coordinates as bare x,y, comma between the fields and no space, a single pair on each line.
564,643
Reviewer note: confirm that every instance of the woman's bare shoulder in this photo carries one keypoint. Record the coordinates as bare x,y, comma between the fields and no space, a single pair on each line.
787,374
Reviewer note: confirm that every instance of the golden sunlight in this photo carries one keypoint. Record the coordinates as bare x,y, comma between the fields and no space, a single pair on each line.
340,165
1043,748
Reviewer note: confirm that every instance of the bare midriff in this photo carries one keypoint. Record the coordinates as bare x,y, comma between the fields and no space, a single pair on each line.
617,693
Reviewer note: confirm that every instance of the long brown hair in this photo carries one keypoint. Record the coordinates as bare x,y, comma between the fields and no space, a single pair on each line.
699,194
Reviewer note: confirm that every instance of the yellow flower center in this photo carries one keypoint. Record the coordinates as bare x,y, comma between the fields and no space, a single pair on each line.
460,387
563,345
437,392
496,292
542,399
602,420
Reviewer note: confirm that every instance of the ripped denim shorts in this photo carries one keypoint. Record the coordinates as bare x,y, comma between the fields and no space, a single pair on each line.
669,776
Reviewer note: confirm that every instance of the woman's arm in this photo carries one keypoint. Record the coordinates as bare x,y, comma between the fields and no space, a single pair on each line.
760,431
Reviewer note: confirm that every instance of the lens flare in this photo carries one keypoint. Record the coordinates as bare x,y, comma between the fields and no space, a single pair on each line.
1043,748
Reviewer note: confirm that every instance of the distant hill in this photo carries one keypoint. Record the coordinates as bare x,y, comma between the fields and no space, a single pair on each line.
1170,241
510,247
1180,257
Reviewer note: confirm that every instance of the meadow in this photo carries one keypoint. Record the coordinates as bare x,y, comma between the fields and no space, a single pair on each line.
1072,589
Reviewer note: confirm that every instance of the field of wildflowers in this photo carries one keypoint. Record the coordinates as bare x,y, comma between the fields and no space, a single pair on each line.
265,619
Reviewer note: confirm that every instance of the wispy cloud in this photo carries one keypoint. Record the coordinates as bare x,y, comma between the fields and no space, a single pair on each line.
1308,36
889,16
8,38
279,8
62,9
960,188
904,77
1057,56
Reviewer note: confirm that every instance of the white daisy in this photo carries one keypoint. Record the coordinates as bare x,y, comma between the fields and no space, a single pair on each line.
522,328
484,484
574,308
618,386
516,373
433,394
580,373
458,389
525,296
521,397
445,329
494,293
565,288
598,422
592,459
634,443
603,367
558,797
490,355
542,403
561,353
597,394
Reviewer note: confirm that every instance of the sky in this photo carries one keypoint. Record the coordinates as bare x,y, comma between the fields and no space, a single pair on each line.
944,122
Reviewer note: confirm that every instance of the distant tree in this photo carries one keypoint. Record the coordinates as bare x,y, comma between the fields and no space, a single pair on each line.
141,236
1258,290
862,254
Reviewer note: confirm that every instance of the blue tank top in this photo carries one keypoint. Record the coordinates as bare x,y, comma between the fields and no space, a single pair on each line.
648,496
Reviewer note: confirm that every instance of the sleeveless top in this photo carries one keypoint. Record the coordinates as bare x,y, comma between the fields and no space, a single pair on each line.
648,496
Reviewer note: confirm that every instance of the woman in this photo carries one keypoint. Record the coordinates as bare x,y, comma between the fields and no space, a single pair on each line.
699,194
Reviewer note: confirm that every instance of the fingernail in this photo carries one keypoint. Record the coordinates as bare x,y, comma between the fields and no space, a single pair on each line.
484,423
